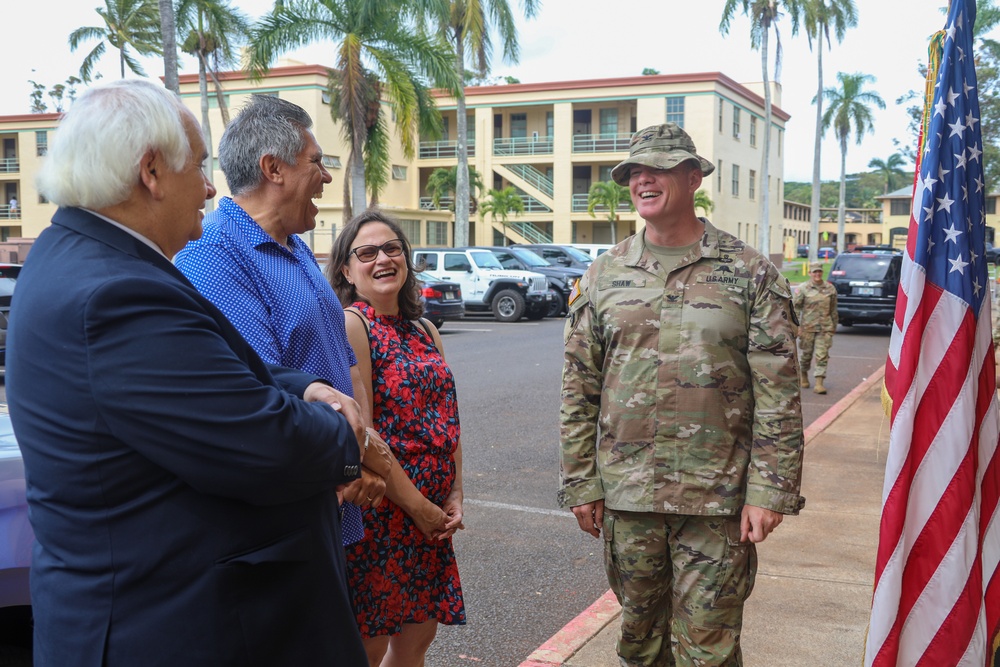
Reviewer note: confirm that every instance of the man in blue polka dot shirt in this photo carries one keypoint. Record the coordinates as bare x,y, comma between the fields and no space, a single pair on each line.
251,263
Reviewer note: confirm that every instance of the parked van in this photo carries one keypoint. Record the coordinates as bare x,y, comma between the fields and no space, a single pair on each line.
592,249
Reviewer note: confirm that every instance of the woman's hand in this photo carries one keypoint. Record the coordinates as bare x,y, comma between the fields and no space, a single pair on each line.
430,520
453,509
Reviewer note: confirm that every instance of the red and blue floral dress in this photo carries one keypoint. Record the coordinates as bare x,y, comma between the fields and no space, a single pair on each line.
396,575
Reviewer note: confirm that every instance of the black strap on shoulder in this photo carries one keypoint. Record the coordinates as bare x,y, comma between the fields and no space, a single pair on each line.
364,321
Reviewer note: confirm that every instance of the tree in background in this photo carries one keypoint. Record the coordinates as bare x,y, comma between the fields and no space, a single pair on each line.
378,54
703,201
819,16
891,170
38,97
211,31
764,15
442,183
168,35
649,71
609,195
469,24
128,24
849,111
502,204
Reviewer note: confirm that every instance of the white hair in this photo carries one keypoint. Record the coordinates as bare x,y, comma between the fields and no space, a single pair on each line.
93,161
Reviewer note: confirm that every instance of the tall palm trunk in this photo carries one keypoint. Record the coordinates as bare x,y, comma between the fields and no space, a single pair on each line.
206,127
764,243
358,201
841,206
168,32
462,173
816,185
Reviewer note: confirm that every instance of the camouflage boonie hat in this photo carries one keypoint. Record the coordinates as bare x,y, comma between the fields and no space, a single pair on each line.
815,266
661,147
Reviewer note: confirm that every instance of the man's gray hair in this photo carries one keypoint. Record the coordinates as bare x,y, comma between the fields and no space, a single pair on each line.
93,161
267,125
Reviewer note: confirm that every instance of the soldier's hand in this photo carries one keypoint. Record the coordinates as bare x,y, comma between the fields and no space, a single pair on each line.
756,523
590,517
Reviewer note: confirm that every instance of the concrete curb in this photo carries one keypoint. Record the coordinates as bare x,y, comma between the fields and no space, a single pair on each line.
574,635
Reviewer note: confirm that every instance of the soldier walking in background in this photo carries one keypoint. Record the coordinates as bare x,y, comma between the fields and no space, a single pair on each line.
816,307
681,424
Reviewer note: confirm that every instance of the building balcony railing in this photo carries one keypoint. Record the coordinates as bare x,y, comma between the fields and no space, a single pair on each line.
427,204
9,165
601,143
580,204
438,149
7,214
523,146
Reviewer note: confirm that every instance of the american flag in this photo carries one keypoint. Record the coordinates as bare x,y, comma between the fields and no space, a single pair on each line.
937,594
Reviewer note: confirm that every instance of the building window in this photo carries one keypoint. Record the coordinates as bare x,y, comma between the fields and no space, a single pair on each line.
718,177
899,207
736,122
398,172
332,162
411,229
609,122
42,199
550,124
752,185
326,97
470,130
736,180
675,110
41,142
445,130
753,131
604,173
518,125
437,232
722,107
991,205
780,134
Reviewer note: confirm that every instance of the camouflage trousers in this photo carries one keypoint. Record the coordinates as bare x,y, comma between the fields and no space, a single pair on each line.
681,581
817,342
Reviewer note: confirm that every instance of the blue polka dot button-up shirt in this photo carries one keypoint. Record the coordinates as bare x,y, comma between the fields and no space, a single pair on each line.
279,301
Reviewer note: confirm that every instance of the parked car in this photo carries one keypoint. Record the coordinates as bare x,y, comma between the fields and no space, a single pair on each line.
486,285
866,284
802,250
16,542
8,278
561,278
592,249
561,255
992,253
442,299
826,253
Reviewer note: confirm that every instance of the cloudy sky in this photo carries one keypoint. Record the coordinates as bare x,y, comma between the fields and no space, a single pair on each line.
582,39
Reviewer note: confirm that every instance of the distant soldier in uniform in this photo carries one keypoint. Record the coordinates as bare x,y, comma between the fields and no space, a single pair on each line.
680,423
816,308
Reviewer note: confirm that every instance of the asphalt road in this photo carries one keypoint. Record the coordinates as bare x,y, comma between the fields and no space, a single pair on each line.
526,568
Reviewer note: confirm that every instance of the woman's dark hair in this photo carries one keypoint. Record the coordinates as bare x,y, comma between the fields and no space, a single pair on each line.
410,305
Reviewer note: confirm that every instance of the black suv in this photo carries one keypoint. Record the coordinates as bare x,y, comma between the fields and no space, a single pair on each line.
866,284
560,278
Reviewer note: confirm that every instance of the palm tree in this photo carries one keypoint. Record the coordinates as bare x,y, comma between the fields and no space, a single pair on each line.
213,29
609,195
703,201
469,24
378,54
764,15
849,111
168,34
890,169
127,23
502,204
819,17
442,183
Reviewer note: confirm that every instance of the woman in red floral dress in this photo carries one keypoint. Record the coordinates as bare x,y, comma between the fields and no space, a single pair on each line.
403,574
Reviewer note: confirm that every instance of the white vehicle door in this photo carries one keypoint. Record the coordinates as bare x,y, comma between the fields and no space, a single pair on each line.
456,267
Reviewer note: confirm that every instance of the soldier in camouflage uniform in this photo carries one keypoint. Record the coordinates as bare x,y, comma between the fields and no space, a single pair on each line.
680,423
816,308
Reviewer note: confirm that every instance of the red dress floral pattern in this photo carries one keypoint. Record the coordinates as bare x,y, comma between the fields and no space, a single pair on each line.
396,575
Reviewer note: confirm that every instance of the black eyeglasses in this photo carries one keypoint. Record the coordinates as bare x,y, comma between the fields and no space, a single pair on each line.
368,253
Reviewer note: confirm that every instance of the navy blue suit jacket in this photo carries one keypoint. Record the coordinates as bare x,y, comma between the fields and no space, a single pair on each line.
181,492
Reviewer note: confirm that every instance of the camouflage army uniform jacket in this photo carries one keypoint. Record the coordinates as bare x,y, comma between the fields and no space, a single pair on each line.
816,307
680,394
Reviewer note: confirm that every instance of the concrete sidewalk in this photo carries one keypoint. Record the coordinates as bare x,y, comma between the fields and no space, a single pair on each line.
814,584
